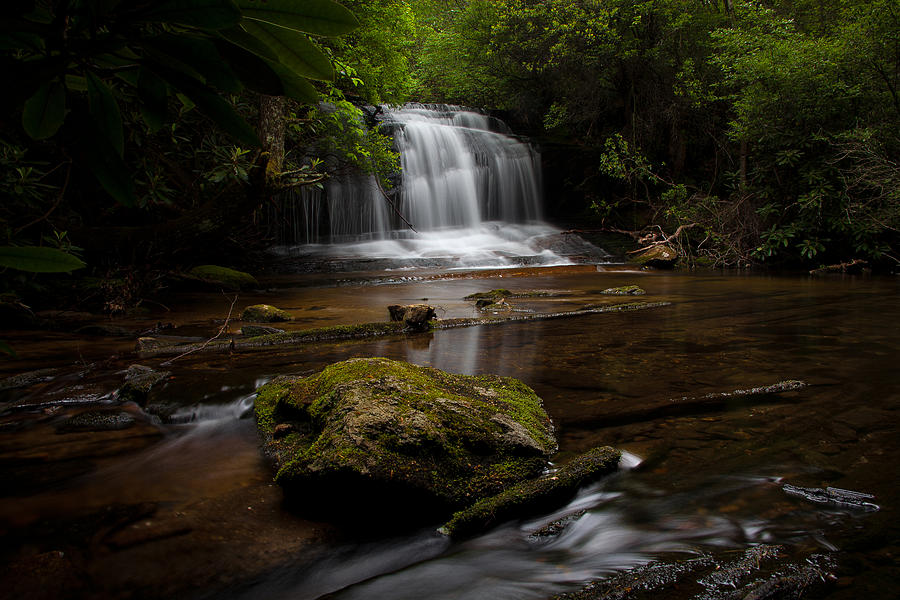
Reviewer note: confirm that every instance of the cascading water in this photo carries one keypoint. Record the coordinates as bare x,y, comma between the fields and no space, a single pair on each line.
470,188
461,168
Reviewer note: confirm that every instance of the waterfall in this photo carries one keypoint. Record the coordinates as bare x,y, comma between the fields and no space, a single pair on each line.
471,189
461,168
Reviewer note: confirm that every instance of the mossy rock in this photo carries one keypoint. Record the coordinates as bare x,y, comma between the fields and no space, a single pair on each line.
408,439
534,495
265,313
223,277
624,290
139,381
493,295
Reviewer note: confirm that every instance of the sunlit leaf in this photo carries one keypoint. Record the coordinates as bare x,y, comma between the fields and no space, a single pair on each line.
105,111
294,50
206,14
36,259
45,111
317,17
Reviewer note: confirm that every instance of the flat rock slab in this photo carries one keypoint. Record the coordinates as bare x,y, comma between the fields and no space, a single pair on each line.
385,434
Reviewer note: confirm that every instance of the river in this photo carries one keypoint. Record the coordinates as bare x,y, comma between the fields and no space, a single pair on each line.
188,509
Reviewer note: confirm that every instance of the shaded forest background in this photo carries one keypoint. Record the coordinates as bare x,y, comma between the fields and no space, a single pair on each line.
146,136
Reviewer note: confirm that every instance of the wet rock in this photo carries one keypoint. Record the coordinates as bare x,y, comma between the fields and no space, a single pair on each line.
535,495
624,290
834,496
409,439
214,276
758,573
254,330
265,313
96,420
139,381
416,317
105,330
661,257
25,380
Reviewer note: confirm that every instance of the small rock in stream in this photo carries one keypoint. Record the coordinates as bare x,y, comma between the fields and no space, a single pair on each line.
832,495
96,420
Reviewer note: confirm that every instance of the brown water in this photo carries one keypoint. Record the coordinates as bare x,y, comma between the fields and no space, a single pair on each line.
188,509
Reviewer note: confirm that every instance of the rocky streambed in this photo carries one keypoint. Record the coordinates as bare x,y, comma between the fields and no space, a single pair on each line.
150,481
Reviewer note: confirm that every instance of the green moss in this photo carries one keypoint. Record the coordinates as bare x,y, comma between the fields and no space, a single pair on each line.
497,294
533,495
265,313
624,290
229,279
458,437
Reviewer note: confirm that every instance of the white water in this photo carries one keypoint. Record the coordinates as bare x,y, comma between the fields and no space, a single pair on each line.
470,189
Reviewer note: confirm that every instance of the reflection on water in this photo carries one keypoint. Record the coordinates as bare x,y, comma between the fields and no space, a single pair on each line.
709,479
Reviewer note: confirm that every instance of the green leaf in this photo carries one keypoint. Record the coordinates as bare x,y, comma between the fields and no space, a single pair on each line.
205,14
199,56
36,259
295,87
239,37
212,105
253,71
7,349
105,112
317,17
294,50
153,94
45,111
104,161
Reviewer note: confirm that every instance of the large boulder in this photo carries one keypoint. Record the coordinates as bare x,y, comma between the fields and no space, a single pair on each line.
380,436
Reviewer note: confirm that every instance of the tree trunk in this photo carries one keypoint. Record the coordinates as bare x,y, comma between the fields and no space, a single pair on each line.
271,132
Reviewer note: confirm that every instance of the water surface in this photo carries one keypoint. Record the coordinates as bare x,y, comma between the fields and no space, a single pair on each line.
708,479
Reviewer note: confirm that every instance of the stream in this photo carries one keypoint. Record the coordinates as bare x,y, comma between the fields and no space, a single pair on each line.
186,508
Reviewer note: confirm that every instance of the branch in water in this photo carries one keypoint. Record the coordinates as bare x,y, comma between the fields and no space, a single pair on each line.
222,330
391,204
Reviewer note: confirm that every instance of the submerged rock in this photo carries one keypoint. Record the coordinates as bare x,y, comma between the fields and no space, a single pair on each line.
535,495
624,290
265,313
400,437
97,420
